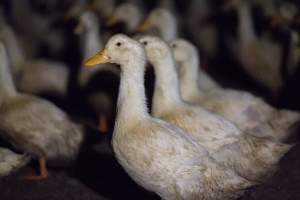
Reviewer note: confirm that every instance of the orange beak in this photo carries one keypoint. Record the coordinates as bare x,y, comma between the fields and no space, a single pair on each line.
144,26
100,58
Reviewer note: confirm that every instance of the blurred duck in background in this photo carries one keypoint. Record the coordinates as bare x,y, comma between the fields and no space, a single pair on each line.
34,76
128,14
259,56
202,28
36,126
99,85
162,23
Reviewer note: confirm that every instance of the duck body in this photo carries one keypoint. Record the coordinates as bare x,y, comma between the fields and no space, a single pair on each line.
40,129
252,114
222,138
163,160
157,155
35,76
45,73
205,82
33,125
10,161
251,157
260,57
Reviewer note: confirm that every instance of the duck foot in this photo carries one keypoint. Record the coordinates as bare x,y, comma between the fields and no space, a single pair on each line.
43,172
103,124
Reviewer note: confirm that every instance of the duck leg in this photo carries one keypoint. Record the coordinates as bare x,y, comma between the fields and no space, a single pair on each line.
103,124
43,172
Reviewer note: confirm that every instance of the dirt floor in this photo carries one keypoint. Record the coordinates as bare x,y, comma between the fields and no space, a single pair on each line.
98,176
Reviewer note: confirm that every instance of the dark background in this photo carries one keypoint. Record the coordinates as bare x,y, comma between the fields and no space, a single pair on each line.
97,175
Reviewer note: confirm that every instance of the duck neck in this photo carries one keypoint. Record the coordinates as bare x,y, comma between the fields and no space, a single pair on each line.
169,32
188,75
14,50
131,100
166,93
7,87
246,28
91,42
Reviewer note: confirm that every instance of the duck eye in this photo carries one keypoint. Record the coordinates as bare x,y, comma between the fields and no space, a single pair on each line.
119,44
145,43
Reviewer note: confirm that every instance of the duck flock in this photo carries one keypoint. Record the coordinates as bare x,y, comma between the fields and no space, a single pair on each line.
180,128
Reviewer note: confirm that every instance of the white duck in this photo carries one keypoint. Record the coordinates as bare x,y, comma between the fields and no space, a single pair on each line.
246,110
166,25
36,76
157,155
100,99
35,126
10,161
127,13
250,157
162,22
259,56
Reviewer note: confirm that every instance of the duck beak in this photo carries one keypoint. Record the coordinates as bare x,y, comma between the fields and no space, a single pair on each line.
144,26
111,21
100,58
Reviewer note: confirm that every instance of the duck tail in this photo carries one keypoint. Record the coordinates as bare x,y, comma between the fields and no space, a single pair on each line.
227,182
263,155
285,118
269,152
293,135
286,126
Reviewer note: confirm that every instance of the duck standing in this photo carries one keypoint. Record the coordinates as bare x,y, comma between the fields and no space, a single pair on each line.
36,126
157,155
251,157
10,161
252,114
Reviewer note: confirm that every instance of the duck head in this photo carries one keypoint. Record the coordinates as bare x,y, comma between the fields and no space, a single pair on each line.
126,13
121,50
161,20
87,21
183,50
157,50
